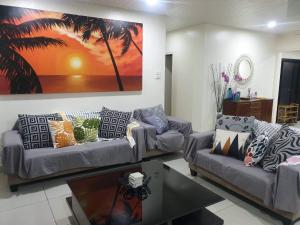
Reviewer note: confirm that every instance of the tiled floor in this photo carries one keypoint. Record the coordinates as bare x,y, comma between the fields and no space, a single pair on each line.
44,203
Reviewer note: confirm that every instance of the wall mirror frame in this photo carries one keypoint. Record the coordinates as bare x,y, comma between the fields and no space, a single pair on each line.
243,69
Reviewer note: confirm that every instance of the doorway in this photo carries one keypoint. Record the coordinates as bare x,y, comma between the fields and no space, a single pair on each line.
168,84
289,92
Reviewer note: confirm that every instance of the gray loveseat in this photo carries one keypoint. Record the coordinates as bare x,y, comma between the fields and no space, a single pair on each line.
278,192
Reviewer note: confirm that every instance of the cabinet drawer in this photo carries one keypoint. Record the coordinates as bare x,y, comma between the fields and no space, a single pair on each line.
256,105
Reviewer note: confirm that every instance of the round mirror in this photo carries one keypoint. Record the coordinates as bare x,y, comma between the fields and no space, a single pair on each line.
243,69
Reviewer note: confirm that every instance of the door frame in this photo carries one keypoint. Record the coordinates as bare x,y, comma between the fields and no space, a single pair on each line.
276,81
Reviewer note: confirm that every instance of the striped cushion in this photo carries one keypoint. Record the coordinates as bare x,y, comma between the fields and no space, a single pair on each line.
262,127
82,114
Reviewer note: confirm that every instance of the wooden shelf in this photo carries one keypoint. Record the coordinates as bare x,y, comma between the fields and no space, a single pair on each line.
288,113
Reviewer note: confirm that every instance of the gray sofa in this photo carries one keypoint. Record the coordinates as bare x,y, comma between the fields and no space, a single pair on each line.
175,139
25,166
278,192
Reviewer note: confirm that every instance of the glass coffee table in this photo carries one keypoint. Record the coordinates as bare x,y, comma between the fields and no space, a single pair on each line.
167,197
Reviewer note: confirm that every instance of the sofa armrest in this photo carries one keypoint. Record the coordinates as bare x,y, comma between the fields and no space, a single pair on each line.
138,134
13,152
197,141
149,134
286,195
180,125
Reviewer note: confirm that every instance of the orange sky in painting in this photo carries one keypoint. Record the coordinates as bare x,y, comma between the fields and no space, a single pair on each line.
78,58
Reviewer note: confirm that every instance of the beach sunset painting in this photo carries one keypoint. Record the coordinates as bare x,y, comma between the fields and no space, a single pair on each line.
51,52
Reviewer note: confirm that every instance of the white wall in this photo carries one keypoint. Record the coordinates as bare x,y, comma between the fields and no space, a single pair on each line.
153,62
186,45
214,45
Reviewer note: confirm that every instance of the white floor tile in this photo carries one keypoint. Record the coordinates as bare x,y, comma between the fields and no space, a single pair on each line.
3,181
61,211
56,188
220,206
36,214
28,194
236,215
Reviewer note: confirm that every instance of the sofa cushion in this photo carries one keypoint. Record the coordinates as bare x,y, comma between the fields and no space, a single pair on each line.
35,130
113,123
86,130
141,114
262,127
230,143
253,180
83,114
62,133
157,122
257,150
170,141
286,143
235,123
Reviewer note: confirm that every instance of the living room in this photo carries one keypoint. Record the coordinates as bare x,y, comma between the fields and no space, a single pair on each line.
149,112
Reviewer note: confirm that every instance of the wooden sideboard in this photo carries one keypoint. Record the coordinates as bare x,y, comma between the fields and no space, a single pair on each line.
261,108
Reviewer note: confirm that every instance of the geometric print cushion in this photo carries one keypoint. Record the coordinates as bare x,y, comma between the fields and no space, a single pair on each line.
113,123
262,127
86,130
35,130
286,143
256,150
235,123
62,133
230,143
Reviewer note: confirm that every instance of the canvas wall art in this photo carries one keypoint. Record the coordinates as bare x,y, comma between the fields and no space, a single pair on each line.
51,52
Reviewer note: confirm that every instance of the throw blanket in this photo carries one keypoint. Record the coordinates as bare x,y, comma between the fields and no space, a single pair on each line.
293,160
129,136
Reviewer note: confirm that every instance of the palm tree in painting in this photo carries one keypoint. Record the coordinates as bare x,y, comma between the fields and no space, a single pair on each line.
123,31
16,36
89,25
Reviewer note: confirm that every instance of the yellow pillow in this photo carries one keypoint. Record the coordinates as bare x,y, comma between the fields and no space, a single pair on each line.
62,133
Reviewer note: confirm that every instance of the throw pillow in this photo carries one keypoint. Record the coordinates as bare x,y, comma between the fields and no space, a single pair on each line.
35,130
262,127
62,133
82,114
158,111
235,123
256,150
157,123
230,143
113,123
286,143
86,130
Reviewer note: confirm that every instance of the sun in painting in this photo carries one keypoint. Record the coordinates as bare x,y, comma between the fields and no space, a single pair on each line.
76,62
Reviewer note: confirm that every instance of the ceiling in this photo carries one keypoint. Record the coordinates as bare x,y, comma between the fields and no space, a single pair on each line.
246,14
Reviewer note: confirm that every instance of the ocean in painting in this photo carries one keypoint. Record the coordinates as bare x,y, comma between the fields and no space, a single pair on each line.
80,83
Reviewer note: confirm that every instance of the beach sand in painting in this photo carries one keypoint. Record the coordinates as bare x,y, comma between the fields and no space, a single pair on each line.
79,83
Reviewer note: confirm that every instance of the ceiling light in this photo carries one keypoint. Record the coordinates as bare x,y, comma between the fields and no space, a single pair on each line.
151,2
272,24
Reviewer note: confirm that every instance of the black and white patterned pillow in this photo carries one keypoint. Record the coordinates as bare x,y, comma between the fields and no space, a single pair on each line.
286,143
35,130
113,123
257,150
262,127
235,123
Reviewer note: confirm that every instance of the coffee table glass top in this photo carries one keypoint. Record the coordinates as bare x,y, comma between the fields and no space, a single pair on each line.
103,198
